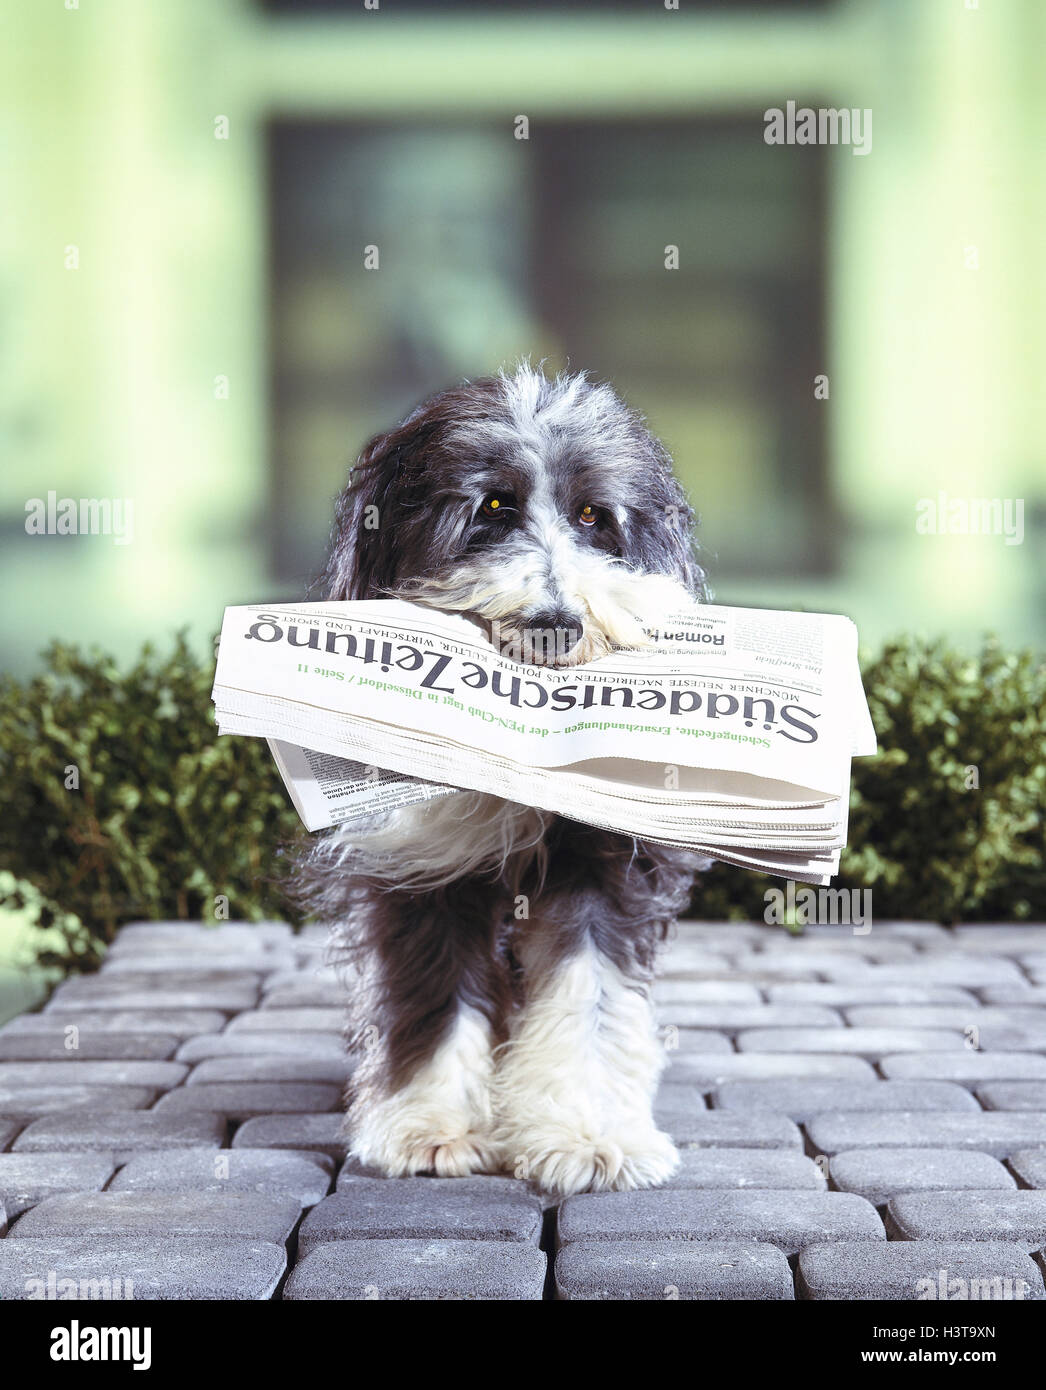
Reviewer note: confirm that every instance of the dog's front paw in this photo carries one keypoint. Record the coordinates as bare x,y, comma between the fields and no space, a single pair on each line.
566,1162
401,1144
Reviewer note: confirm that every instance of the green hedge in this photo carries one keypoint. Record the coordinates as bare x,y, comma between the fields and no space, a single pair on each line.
169,821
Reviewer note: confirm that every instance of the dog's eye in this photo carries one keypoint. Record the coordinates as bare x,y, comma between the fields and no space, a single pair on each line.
588,515
497,505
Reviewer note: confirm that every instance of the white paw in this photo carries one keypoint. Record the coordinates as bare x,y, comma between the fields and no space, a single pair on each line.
401,1144
565,1162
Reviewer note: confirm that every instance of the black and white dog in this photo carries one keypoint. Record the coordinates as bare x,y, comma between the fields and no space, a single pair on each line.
501,956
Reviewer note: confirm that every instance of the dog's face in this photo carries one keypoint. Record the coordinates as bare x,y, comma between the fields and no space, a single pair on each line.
543,508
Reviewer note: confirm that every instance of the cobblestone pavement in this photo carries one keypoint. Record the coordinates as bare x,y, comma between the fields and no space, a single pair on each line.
858,1117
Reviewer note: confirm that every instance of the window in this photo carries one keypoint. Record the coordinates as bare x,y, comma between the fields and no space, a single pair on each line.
491,248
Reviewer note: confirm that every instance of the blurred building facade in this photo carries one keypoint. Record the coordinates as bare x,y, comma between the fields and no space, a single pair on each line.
189,320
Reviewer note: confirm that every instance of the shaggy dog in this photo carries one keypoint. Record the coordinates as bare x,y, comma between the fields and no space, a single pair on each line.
501,956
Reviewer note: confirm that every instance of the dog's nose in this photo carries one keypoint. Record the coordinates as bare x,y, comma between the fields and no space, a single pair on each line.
557,630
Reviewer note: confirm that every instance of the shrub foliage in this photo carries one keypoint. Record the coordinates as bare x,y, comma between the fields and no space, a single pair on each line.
121,802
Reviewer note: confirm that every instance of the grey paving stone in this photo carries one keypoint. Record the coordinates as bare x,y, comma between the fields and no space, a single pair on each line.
305,994
28,1178
156,1076
995,1132
788,1220
289,1020
8,1130
425,1209
675,1099
695,962
28,1101
1030,1165
176,1023
1021,996
223,990
319,974
169,1267
274,1172
972,970
317,1133
199,936
712,1069
328,1046
675,983
243,964
801,1100
726,935
1018,1217
313,932
869,950
732,1018
874,991
956,1016
687,956
843,939
761,980
1002,939
733,1130
1013,1036
123,1133
918,933
879,1174
967,1067
188,975
206,1214
309,958
744,1168
246,1099
712,992
861,1042
203,947
926,933
3,1220
332,1070
700,1040
801,962
670,1270
89,1047
1013,1095
672,995
352,1171
901,1269
452,1270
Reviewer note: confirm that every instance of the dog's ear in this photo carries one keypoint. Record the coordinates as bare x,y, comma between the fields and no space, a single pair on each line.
680,542
666,538
376,509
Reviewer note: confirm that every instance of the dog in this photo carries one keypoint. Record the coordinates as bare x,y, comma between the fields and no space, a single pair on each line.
501,956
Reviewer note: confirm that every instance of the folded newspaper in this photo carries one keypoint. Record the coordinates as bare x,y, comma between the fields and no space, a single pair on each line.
730,733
